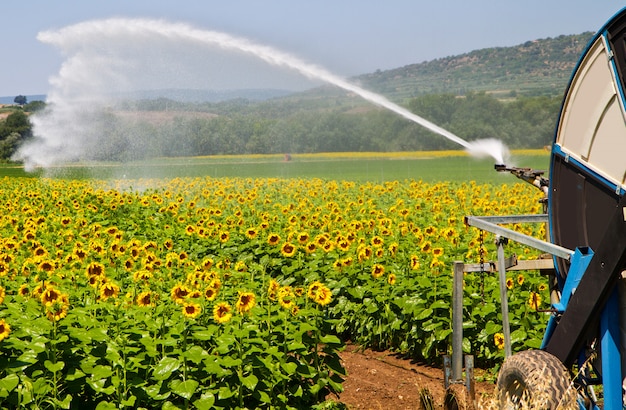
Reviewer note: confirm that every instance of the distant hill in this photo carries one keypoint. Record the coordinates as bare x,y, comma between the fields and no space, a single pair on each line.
538,67
535,68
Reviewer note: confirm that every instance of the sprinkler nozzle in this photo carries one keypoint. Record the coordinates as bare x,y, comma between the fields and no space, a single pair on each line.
500,167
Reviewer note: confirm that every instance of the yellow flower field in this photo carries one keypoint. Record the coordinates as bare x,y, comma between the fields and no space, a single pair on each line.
233,293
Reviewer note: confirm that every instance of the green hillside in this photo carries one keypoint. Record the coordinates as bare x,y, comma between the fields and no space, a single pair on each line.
539,67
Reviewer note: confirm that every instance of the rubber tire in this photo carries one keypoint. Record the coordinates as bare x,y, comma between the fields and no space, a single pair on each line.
536,376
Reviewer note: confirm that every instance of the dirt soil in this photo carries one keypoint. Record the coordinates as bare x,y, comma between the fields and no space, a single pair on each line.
385,380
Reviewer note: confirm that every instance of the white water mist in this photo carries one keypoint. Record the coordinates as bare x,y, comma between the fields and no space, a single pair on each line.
106,57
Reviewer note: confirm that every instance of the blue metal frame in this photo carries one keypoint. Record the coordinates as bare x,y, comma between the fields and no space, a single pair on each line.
609,320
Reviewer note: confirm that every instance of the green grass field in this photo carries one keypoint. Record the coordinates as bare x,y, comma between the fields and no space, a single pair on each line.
374,167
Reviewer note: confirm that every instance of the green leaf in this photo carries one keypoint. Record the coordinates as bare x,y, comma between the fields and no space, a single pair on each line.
99,386
289,367
249,381
101,372
154,392
105,405
330,339
467,345
518,336
228,361
203,335
206,402
196,354
426,313
184,389
165,368
492,328
439,304
129,402
54,367
442,334
9,382
225,392
65,403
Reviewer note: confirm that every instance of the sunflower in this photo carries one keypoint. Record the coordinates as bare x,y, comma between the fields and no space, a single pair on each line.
222,312
224,236
246,302
393,249
49,295
415,262
313,288
58,309
23,291
180,292
5,329
323,296
310,247
146,298
95,269
509,283
273,239
520,279
2,294
46,266
285,297
437,252
498,340
542,287
142,275
210,293
109,290
207,264
377,241
303,238
319,293
377,270
391,279
191,310
251,233
288,249
534,300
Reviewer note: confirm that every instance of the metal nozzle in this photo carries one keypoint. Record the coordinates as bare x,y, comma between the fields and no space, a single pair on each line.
500,167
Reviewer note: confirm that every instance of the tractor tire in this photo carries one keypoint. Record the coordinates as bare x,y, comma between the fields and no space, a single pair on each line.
534,379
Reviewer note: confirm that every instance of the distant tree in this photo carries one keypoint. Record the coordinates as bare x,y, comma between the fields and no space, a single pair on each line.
20,100
34,106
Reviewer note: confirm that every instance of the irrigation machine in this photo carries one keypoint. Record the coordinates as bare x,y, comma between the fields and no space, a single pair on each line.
582,360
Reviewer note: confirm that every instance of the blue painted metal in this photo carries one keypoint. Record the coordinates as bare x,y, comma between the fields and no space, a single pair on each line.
610,352
579,263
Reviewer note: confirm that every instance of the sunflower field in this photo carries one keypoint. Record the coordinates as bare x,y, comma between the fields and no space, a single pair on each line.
240,293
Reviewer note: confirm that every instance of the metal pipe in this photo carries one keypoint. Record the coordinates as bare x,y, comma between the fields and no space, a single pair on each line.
457,322
503,297
551,248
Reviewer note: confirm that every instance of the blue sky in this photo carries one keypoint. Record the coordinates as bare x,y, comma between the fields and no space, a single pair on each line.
347,37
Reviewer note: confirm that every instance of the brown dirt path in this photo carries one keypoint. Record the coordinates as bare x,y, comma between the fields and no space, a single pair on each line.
384,380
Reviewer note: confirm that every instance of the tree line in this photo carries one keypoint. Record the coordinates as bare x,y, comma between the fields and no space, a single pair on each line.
241,127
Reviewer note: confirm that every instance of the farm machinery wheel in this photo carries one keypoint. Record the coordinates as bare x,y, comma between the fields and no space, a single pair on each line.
534,379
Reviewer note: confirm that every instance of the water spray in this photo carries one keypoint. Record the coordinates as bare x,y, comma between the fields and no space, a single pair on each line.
101,54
